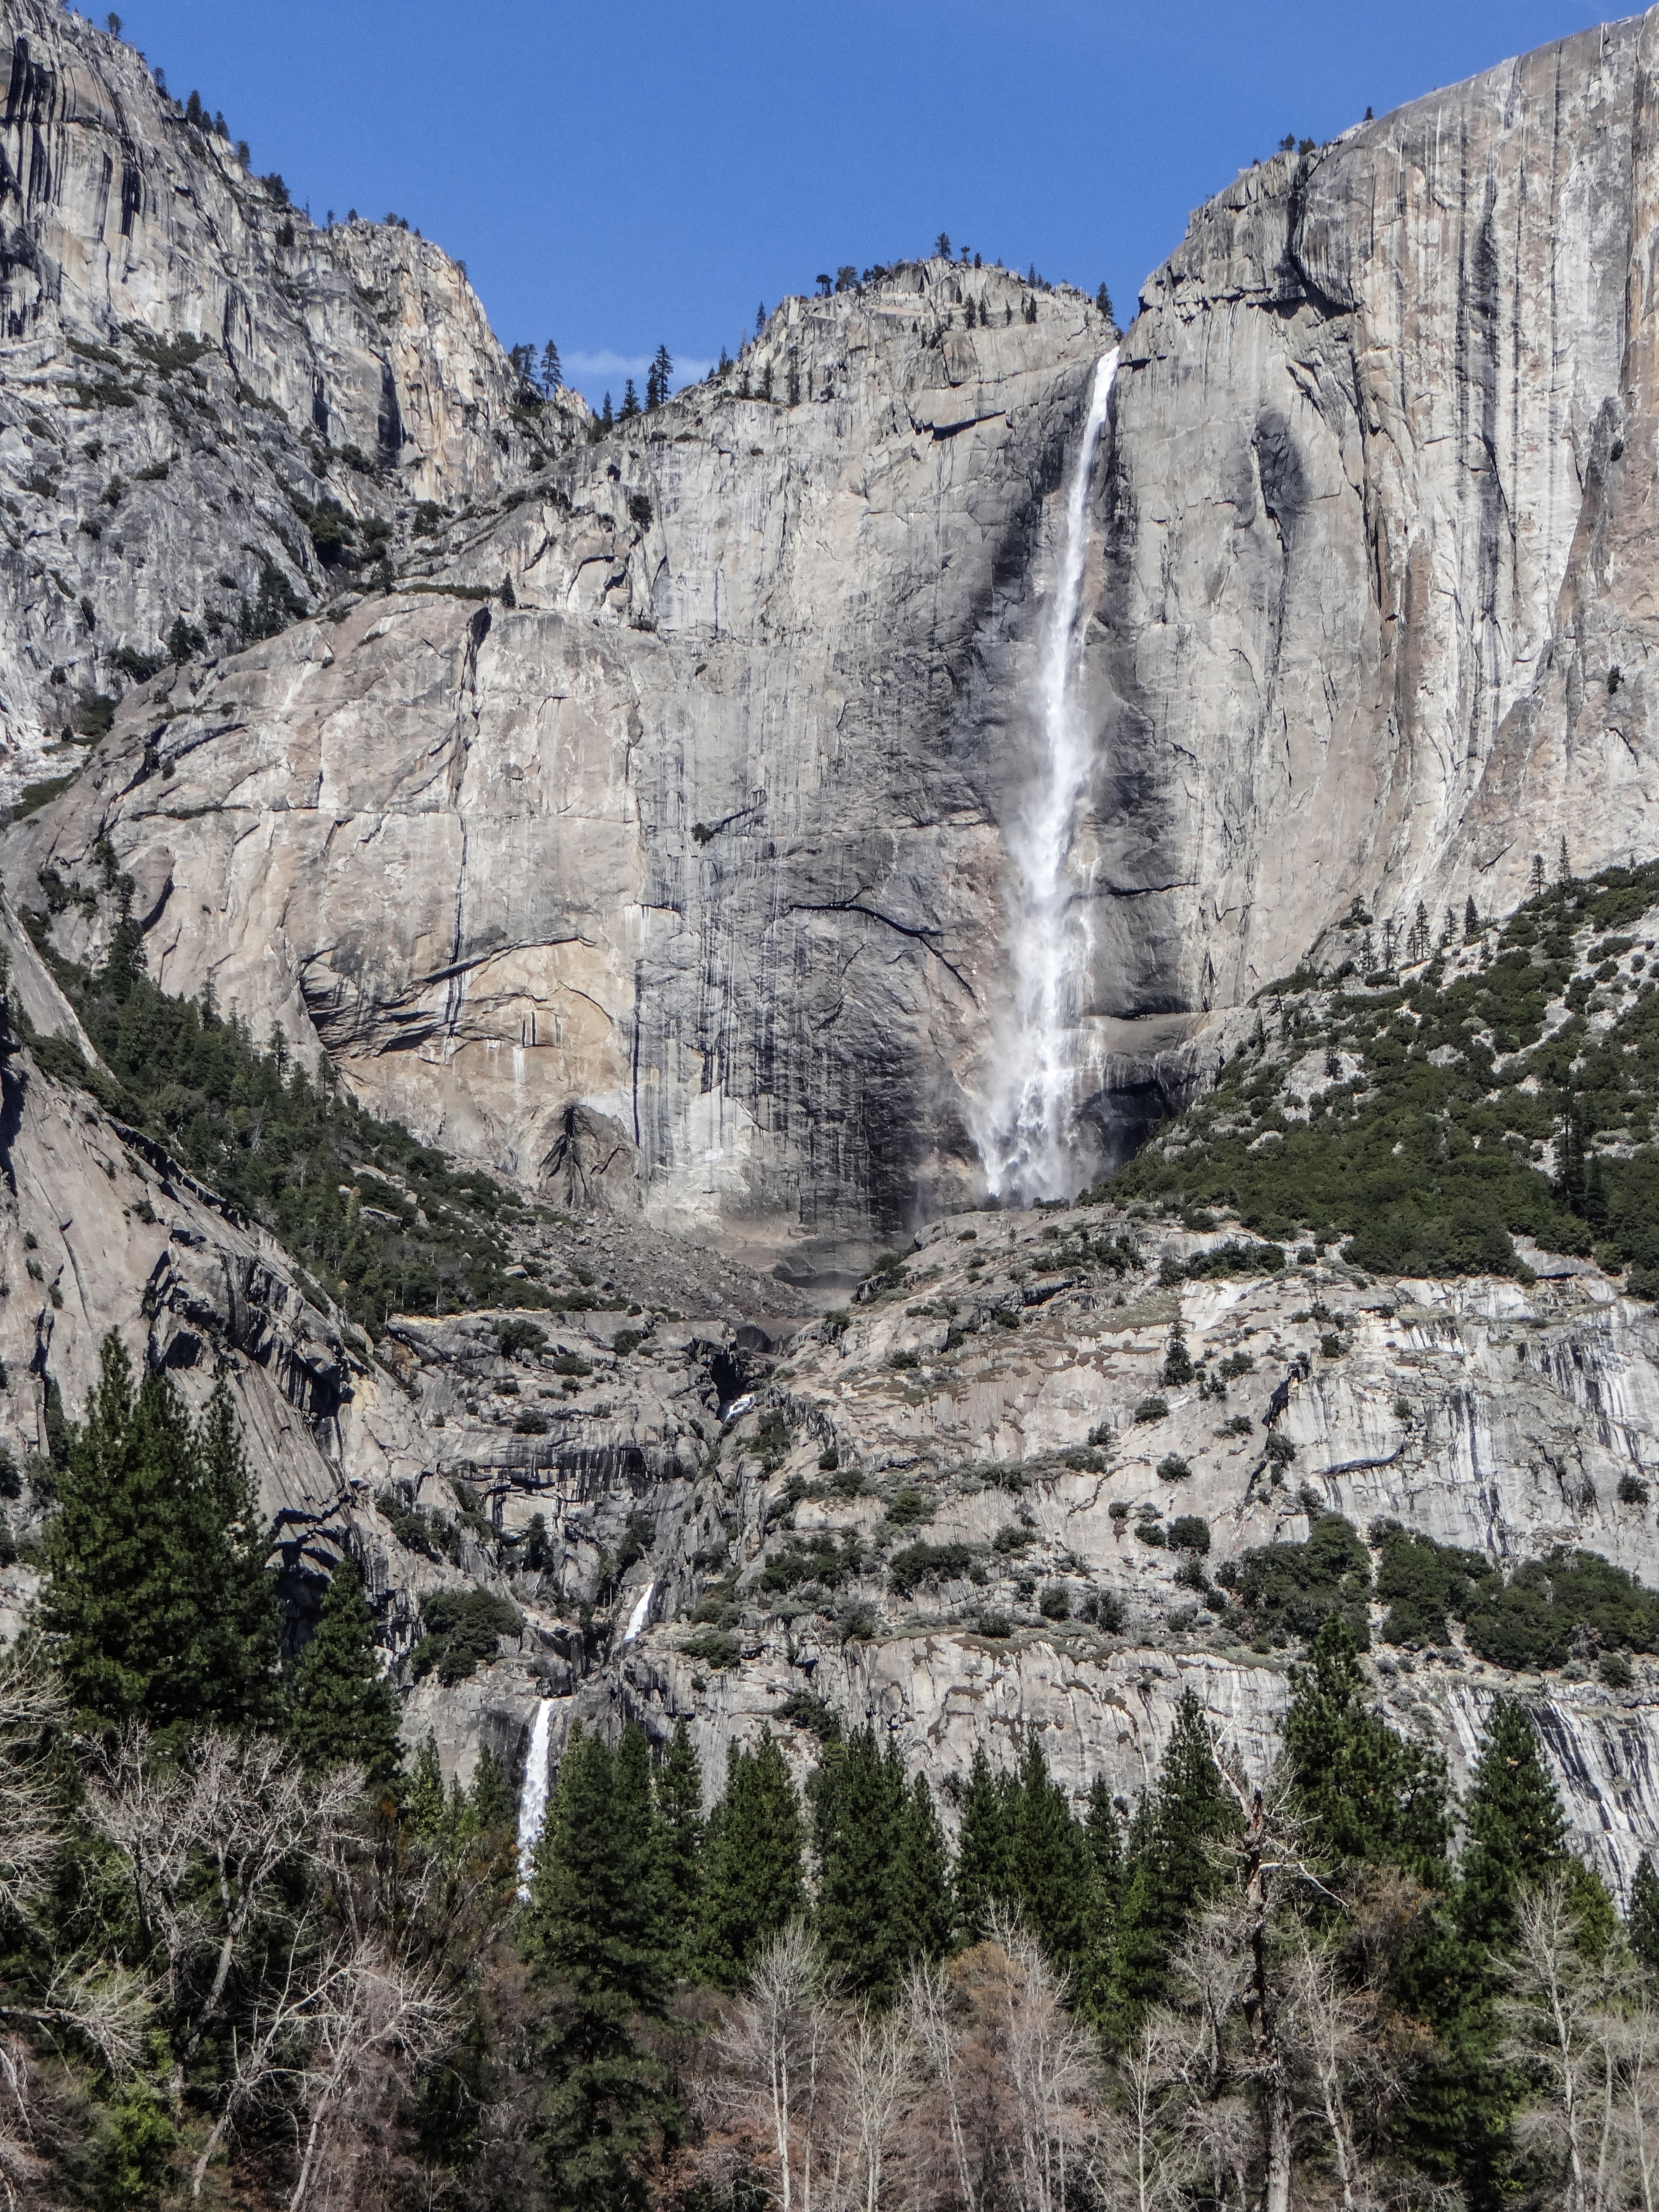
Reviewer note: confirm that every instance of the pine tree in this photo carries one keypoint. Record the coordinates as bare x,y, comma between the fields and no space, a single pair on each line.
753,1883
606,419
490,1800
662,370
679,1847
923,1880
1172,1867
345,1712
857,1807
631,406
634,1805
1644,1922
1471,919
588,1938
1369,1796
552,370
1516,1831
1104,1834
1053,1868
1104,301
984,1875
156,1580
424,1799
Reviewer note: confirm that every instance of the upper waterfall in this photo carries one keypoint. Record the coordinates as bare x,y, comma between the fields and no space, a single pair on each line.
1022,1122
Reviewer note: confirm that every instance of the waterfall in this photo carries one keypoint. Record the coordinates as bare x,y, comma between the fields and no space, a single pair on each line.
636,1620
532,1795
1023,1115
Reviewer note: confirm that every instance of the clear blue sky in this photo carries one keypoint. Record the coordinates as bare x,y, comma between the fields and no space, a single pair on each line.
617,176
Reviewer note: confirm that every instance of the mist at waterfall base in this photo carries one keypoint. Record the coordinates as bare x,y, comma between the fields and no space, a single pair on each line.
1024,1116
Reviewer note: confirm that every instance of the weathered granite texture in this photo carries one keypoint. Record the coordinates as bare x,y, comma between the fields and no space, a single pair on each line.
1489,1415
1373,613
691,834
184,356
695,830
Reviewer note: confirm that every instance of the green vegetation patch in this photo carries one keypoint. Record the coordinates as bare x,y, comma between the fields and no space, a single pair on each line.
1423,1584
463,1631
1424,1143
920,1563
1288,1590
819,1559
384,1223
1549,1605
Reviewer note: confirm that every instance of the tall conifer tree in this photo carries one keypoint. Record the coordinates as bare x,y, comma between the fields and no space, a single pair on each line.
1644,1914
1052,1867
984,1873
753,1883
491,1802
858,1814
590,1940
1368,1795
345,1711
1516,1831
1104,1833
156,1577
922,1881
1173,1868
679,1846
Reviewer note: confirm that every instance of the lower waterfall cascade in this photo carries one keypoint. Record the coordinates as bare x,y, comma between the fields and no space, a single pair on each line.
532,1793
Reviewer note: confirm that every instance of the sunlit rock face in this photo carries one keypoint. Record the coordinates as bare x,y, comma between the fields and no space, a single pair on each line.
692,825
1499,1418
187,362
1375,616
683,785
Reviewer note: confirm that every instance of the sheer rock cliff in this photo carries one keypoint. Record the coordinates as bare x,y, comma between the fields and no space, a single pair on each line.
698,824
189,368
640,827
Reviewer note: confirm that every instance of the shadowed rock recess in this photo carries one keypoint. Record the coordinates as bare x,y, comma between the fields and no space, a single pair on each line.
627,817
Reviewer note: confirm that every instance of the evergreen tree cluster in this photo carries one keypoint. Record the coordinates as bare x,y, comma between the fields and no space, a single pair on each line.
407,1232
633,1893
538,378
160,1617
1429,1157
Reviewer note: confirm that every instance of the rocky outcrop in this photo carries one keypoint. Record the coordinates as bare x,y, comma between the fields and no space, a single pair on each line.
694,828
191,375
100,1231
1371,616
989,1400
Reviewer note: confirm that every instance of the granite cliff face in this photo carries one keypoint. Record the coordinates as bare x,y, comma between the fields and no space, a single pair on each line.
703,820
1373,613
692,824
641,824
190,369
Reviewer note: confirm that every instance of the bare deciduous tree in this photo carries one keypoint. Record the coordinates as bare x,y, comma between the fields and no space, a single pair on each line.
244,1807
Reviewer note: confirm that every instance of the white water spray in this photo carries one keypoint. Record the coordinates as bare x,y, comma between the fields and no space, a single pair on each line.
1023,1112
532,1795
636,1618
